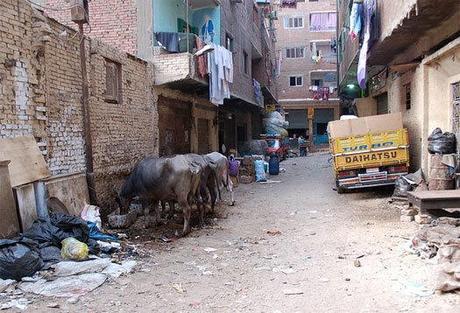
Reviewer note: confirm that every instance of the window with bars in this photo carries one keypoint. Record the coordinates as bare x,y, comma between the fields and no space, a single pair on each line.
113,82
408,96
293,22
295,81
295,53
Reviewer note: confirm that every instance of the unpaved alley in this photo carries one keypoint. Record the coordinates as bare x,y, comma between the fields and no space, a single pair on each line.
294,246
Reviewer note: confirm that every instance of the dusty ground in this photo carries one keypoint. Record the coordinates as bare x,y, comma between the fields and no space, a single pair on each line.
322,233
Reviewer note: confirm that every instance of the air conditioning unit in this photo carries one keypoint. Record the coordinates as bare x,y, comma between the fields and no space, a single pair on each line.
79,11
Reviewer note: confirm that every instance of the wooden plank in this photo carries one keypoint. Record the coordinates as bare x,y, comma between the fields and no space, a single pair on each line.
71,190
27,163
436,194
27,206
9,223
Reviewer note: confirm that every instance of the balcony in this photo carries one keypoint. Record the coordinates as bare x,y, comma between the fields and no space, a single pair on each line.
178,71
323,93
412,26
177,27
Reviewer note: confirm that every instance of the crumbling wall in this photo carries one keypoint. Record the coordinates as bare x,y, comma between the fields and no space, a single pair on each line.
40,95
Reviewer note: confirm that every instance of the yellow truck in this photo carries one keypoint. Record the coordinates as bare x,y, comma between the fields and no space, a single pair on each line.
369,152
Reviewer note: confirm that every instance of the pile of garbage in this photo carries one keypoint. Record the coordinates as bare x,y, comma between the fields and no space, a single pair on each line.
62,256
275,124
441,240
442,143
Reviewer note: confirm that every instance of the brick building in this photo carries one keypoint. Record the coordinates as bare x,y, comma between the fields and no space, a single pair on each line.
189,122
307,82
41,92
412,67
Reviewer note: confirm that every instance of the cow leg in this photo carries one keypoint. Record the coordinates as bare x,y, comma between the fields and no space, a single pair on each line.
172,209
187,212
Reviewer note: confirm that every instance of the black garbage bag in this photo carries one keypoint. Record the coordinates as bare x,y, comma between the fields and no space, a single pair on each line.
442,143
402,187
44,232
50,254
19,258
72,226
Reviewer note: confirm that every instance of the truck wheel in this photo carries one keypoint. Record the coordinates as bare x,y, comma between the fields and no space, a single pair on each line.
341,190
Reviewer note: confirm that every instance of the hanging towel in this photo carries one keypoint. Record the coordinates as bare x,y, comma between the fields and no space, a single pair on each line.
169,41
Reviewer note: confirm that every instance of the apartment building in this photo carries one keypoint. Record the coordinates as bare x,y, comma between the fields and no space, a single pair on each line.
307,68
412,65
189,122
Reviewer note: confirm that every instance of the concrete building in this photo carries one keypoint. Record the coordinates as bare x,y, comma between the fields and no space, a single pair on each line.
413,67
189,122
307,79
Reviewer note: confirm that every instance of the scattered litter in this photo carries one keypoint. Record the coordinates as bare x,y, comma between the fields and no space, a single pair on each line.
65,287
312,233
293,292
122,221
20,304
274,232
357,263
109,247
178,288
209,250
116,270
417,289
324,280
53,305
270,182
72,249
69,268
5,284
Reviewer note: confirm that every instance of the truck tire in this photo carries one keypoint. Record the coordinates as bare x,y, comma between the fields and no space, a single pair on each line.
340,189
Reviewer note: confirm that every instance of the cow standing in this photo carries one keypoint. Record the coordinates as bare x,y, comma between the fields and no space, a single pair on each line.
164,179
219,165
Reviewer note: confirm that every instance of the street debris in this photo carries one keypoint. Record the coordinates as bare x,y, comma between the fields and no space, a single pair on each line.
273,232
209,250
293,292
72,249
357,263
178,288
441,239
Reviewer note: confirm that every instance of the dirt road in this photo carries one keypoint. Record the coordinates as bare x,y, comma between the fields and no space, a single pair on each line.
310,266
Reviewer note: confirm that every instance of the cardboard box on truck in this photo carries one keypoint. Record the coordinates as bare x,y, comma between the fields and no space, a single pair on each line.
365,125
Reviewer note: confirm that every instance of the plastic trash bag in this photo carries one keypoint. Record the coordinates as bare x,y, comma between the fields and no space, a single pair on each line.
402,187
19,258
73,226
43,232
442,143
72,249
96,234
91,213
260,171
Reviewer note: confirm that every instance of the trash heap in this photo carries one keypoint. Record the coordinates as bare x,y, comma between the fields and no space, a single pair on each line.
61,256
275,124
441,240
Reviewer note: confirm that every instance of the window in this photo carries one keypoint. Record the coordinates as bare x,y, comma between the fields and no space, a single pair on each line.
229,42
295,81
407,96
293,22
317,82
323,21
113,82
245,63
294,53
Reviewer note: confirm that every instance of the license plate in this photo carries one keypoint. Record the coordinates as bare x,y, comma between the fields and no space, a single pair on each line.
372,170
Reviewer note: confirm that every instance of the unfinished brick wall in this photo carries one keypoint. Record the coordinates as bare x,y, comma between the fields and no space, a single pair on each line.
115,24
40,95
123,133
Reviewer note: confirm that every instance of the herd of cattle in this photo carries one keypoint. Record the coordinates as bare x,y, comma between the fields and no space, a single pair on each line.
187,180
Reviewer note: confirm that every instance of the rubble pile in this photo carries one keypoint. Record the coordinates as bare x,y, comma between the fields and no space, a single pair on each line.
441,240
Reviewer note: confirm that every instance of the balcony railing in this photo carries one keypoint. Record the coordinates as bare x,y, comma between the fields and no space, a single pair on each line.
322,93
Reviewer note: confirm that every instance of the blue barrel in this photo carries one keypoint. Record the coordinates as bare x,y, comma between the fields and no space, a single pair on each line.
274,165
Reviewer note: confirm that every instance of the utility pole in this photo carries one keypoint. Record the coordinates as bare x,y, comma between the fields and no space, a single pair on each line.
80,15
